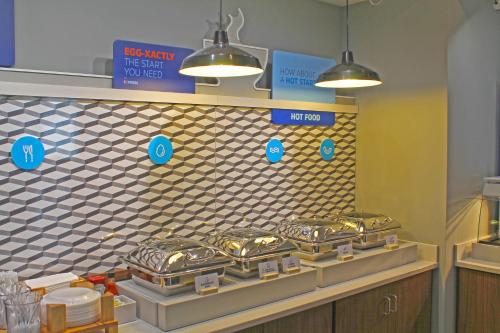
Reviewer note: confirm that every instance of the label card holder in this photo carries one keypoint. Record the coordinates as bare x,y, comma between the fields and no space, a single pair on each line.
291,265
268,270
345,252
391,242
207,284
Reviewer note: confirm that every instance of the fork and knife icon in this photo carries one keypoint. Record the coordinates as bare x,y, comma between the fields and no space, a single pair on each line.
28,150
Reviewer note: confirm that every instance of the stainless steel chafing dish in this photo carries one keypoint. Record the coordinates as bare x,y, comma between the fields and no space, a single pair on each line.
317,238
371,228
250,246
169,266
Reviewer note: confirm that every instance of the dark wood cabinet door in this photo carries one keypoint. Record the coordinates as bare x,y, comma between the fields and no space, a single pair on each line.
400,307
367,312
478,302
408,301
411,301
316,320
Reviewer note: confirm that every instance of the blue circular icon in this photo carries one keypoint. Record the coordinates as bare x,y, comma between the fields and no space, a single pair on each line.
327,149
160,150
27,153
274,150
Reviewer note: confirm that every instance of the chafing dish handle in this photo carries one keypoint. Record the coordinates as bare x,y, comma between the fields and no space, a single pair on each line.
210,254
270,246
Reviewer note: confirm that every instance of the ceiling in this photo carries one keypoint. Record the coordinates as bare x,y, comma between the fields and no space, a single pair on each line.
341,3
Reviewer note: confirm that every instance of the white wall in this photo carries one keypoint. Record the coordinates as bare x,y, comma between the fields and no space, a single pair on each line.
428,136
402,125
473,57
77,36
473,150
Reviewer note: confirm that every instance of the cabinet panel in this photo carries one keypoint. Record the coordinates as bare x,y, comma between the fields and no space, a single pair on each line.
367,312
363,312
410,308
413,305
317,320
478,302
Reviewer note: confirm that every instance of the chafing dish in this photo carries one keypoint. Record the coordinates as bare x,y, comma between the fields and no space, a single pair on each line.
317,238
371,228
250,246
169,266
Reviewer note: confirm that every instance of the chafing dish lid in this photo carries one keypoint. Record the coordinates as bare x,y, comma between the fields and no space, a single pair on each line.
316,230
176,255
369,222
250,242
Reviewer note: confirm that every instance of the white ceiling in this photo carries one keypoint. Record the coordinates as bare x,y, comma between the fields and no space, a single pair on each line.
341,3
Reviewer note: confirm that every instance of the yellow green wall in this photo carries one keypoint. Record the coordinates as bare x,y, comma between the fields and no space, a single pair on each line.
403,125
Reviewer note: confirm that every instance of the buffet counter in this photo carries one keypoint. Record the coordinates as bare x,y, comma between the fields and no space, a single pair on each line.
426,261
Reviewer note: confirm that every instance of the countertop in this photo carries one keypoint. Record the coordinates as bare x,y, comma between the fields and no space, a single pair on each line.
478,256
427,261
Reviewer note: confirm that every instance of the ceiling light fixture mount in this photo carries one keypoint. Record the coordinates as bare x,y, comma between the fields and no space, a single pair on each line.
221,59
348,74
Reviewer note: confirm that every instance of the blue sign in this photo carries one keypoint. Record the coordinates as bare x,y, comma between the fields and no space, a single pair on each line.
27,153
274,150
7,44
160,150
295,74
141,66
298,117
327,149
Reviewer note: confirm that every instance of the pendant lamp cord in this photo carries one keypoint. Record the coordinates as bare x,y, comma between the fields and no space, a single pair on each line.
220,15
347,21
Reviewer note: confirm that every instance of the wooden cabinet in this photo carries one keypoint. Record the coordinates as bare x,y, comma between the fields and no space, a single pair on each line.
363,312
400,307
478,302
414,305
316,320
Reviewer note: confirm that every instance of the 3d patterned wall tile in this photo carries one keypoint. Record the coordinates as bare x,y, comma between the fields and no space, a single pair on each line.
97,193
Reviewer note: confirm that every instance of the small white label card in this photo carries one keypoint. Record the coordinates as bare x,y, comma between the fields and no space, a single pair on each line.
345,252
268,270
291,265
207,284
391,242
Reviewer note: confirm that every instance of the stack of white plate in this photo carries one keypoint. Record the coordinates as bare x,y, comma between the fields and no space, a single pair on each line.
83,305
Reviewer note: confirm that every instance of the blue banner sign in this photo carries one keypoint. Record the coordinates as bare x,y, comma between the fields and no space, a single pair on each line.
7,43
141,66
299,117
295,74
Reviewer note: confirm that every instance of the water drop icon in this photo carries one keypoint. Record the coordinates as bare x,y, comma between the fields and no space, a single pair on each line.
160,150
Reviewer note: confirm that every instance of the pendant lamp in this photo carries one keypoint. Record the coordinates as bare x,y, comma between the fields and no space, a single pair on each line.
348,74
221,59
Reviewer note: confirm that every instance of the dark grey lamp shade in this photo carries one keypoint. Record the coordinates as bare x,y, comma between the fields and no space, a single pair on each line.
221,60
348,74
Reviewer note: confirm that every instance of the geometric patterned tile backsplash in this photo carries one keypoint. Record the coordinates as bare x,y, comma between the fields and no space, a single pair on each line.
97,178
